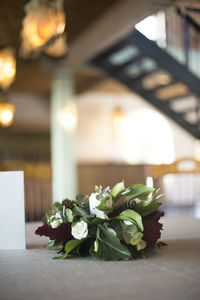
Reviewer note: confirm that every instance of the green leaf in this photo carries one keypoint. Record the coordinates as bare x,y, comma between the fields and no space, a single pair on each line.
130,228
81,197
159,196
64,256
48,214
161,244
83,248
85,205
109,246
71,245
98,189
117,190
137,241
69,215
135,253
157,191
78,211
140,205
141,245
143,203
53,245
136,237
127,191
57,206
127,231
132,216
103,205
94,221
96,246
138,190
147,210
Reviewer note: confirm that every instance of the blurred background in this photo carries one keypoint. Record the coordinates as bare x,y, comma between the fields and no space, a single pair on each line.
93,92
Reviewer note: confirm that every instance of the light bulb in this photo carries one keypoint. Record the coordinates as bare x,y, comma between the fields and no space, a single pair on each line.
7,67
7,111
67,117
6,116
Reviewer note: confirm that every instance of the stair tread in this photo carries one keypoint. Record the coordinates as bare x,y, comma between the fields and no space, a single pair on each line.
182,83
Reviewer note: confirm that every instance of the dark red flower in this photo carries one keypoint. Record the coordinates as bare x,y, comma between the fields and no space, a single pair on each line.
152,227
61,234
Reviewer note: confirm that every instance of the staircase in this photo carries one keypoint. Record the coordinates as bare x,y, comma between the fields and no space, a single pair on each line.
155,75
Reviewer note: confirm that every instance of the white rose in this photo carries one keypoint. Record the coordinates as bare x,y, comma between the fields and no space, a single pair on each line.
94,202
80,230
55,224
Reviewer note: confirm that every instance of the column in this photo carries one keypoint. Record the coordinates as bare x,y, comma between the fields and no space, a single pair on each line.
63,123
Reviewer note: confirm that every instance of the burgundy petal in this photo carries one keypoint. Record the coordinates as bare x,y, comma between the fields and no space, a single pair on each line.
152,227
61,234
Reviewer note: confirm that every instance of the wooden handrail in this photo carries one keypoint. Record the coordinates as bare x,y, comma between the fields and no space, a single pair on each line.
185,165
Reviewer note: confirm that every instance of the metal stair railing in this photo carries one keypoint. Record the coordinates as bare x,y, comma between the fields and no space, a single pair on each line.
150,58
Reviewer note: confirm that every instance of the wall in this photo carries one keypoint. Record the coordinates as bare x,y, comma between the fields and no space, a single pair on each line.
28,138
32,112
94,133
95,140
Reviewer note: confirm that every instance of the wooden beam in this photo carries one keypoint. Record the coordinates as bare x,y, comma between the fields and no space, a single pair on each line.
30,78
118,21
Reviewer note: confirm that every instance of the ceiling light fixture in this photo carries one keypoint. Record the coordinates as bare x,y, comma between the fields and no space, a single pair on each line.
7,68
117,118
117,121
67,117
43,24
7,111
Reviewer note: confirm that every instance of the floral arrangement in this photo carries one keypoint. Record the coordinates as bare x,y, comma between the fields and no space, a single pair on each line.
110,224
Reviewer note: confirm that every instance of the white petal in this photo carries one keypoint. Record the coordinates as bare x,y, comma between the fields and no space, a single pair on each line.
100,214
55,224
80,230
128,223
93,202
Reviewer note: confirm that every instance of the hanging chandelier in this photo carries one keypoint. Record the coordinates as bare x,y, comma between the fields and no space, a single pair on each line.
7,111
7,68
43,29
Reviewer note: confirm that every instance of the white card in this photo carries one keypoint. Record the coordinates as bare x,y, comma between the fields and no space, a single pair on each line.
12,212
